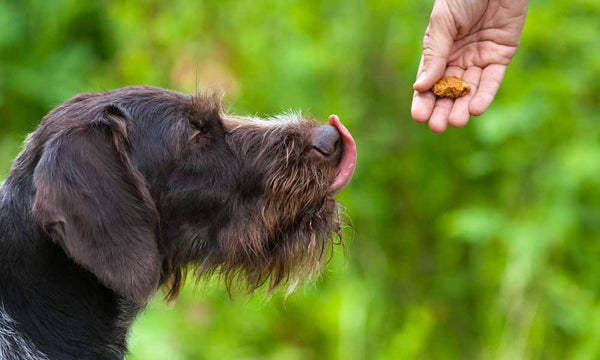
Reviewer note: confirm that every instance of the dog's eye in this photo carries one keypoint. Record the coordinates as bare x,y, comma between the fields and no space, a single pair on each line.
199,130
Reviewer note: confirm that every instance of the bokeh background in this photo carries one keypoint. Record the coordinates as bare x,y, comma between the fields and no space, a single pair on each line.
481,243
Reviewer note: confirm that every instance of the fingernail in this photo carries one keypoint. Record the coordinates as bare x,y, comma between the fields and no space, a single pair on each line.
420,79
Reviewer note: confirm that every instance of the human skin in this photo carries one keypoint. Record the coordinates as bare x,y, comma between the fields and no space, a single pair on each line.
471,39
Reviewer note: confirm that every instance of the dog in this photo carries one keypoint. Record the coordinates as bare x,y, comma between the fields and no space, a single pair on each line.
119,194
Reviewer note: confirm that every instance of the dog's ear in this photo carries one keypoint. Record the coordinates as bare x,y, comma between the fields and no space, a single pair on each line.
92,201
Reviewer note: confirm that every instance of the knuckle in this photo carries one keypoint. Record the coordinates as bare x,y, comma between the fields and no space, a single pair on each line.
428,46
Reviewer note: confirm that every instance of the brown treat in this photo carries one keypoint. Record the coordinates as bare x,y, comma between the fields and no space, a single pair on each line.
451,87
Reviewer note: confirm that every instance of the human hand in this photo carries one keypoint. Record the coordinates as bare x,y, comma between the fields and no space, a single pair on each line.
471,39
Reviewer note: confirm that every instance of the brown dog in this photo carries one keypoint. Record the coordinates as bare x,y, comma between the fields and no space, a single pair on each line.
118,193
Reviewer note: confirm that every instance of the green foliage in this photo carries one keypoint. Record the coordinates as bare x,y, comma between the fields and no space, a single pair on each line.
482,243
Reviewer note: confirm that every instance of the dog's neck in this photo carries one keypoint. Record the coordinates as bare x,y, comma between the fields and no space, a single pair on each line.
50,308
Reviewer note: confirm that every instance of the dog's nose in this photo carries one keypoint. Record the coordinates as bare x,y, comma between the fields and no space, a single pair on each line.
326,140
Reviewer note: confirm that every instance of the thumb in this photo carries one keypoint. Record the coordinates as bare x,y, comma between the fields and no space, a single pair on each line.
437,45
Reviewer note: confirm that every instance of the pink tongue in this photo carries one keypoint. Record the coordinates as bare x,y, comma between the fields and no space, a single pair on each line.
347,162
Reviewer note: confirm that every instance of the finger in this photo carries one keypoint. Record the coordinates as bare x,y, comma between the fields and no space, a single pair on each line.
423,102
437,45
460,114
491,78
420,69
422,106
439,118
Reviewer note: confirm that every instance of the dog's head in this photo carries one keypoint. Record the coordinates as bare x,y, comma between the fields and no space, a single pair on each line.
139,184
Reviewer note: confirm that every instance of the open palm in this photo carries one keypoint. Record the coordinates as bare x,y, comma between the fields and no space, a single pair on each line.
472,39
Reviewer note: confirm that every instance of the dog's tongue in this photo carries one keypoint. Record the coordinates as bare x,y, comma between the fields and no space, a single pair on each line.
347,163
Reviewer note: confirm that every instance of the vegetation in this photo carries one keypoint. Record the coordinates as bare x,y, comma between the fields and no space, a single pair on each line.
482,243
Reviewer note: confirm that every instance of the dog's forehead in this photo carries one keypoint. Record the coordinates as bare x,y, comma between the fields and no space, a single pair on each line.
197,107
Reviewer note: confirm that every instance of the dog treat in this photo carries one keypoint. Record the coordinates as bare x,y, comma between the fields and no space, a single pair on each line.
451,87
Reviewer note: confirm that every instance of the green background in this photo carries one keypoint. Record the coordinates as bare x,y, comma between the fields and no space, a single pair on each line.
481,243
